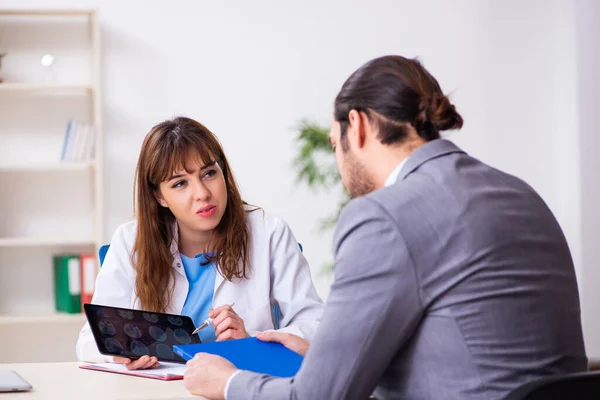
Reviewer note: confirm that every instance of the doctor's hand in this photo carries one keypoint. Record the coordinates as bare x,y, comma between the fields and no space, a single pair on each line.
292,342
143,362
207,375
228,325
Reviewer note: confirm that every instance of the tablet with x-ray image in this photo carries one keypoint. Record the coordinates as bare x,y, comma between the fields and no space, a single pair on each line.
125,332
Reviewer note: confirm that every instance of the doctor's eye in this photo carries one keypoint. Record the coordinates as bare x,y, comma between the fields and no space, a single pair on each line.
178,184
209,174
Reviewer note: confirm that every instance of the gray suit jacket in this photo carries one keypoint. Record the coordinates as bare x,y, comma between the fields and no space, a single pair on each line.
456,282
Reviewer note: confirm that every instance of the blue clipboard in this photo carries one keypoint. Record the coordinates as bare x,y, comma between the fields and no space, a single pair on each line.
249,354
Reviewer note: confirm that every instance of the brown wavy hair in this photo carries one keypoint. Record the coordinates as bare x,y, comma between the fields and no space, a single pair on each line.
164,151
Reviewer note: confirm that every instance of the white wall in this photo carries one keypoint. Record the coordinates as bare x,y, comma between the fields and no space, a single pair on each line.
251,70
588,85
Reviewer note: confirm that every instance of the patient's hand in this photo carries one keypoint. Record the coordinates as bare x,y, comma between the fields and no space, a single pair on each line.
292,342
143,362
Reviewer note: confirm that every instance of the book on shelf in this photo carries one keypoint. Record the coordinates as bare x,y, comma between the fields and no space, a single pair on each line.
74,281
78,144
89,272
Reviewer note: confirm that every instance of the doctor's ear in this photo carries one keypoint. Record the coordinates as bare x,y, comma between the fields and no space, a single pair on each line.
160,200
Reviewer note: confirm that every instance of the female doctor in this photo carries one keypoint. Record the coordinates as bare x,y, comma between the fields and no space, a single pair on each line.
196,247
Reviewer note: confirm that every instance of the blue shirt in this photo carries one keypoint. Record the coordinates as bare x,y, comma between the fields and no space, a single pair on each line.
201,278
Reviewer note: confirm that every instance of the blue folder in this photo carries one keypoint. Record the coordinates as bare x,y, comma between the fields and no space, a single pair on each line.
249,354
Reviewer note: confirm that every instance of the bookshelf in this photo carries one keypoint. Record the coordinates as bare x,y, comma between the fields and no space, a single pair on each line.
42,318
49,167
47,205
41,241
26,87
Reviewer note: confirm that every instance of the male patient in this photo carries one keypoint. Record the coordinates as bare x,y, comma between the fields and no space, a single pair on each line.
453,280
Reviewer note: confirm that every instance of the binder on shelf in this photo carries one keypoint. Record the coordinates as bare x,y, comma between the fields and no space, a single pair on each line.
66,141
67,283
78,144
89,271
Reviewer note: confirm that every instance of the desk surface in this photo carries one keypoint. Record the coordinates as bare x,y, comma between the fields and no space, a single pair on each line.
67,381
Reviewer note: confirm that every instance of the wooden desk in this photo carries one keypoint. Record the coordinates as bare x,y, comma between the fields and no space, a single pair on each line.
67,381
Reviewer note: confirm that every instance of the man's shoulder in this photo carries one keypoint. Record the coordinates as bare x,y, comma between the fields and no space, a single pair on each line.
360,212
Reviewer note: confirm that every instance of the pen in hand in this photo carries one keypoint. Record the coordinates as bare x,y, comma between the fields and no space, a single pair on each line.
208,321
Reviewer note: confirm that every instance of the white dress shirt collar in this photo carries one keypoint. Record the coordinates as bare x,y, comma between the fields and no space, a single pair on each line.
394,175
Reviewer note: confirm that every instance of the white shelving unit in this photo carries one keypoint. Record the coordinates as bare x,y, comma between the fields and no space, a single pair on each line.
49,167
41,318
26,87
31,241
47,206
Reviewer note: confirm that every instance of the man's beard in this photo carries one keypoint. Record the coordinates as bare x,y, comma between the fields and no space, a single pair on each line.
359,181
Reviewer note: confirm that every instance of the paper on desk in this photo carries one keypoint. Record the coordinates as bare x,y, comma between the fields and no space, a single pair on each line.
164,369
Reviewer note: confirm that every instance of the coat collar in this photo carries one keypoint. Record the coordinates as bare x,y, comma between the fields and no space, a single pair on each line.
428,151
178,263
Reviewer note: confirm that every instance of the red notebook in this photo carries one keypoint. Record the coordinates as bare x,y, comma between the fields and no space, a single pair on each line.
165,372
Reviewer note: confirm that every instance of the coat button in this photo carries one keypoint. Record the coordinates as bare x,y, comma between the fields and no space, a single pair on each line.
178,265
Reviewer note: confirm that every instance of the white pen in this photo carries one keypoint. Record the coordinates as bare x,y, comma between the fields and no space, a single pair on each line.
208,321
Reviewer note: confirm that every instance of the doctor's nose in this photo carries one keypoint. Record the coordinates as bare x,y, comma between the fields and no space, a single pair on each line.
201,192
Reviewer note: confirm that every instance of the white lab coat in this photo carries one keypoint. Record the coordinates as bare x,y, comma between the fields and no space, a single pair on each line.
279,274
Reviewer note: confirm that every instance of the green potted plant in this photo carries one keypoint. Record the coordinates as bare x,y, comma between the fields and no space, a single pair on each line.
315,166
